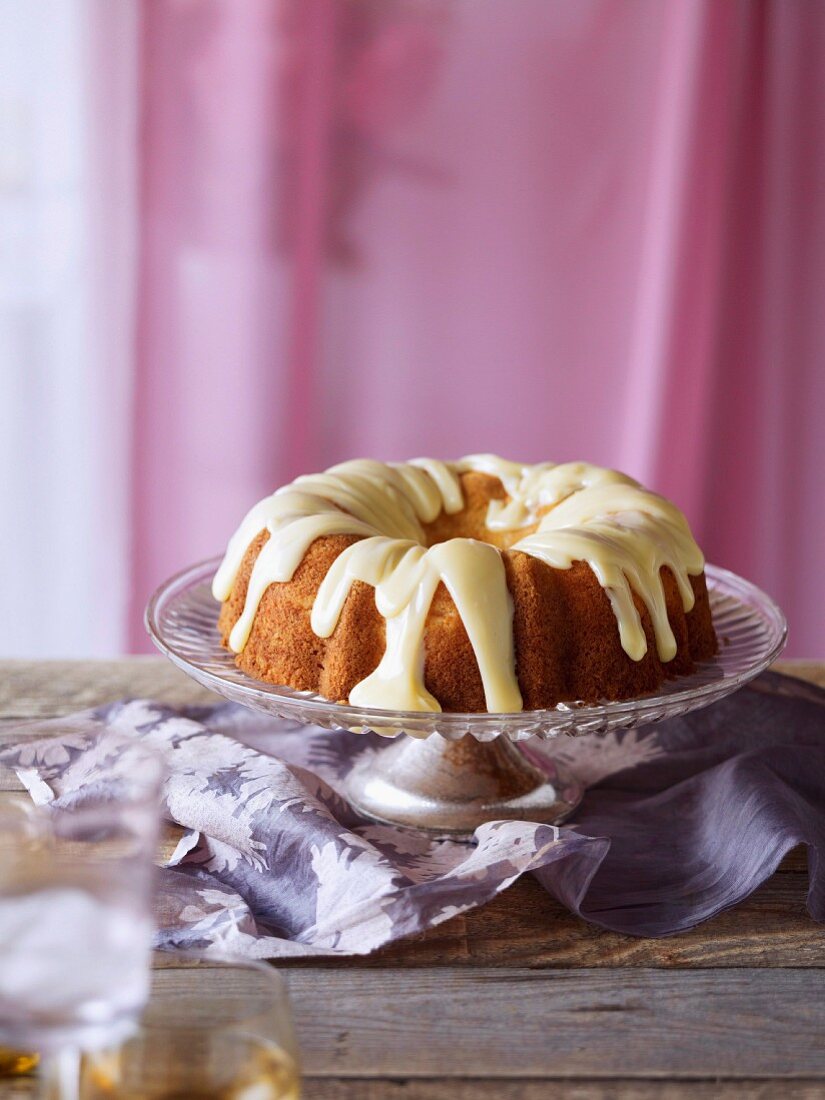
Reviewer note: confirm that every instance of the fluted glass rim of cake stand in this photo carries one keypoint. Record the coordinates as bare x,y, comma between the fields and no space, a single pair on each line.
181,619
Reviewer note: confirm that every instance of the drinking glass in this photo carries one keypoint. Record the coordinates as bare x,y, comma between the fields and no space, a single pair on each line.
215,1030
75,908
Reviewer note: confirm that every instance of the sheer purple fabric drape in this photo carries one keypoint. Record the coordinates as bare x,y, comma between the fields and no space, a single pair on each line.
589,228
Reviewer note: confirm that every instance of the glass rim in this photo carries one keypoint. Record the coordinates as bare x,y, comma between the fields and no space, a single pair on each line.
210,960
273,997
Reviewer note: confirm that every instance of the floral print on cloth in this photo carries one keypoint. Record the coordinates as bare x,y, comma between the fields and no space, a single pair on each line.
680,820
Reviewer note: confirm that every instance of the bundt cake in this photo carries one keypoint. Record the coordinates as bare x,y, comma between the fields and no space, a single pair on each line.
477,585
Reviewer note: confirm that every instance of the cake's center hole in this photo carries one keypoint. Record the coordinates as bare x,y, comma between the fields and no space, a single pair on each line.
465,525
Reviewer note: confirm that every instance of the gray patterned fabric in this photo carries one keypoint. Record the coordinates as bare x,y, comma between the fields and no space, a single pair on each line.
681,820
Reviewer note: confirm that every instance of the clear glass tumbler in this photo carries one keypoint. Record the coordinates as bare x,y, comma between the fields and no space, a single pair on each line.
214,1030
76,878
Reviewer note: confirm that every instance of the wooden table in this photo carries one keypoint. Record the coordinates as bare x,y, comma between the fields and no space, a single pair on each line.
519,998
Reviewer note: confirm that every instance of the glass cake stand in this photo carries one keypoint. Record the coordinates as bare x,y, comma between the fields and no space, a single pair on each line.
472,772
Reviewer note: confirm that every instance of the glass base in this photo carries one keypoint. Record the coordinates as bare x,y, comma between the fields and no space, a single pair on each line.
444,786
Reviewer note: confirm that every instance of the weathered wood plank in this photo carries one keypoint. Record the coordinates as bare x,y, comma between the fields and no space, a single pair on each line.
803,669
594,1024
47,689
796,860
361,1088
447,1088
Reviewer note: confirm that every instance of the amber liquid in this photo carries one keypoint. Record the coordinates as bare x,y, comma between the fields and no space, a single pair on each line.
16,1063
210,1066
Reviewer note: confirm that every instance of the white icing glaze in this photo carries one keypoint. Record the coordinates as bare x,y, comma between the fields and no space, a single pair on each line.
577,512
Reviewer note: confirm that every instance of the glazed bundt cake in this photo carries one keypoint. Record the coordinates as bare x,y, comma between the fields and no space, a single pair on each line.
477,585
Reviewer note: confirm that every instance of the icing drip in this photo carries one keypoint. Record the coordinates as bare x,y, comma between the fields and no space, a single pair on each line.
626,535
574,512
405,576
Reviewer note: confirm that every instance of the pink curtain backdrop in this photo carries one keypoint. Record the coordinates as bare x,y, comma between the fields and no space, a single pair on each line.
580,229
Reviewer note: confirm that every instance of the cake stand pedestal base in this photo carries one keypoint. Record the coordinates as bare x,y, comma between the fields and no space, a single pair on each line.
445,786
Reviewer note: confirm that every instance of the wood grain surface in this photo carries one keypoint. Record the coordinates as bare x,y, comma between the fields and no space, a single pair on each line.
519,998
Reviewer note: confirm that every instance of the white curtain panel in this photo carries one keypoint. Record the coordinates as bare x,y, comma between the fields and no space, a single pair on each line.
67,239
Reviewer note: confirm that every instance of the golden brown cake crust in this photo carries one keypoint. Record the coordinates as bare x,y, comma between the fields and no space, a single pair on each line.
566,637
